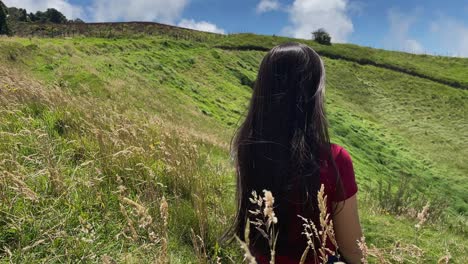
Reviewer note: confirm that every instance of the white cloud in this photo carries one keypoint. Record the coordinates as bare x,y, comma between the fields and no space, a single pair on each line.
201,25
307,16
398,35
356,7
451,34
413,46
163,11
69,10
268,5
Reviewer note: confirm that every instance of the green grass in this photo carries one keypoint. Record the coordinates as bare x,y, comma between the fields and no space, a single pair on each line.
82,116
445,69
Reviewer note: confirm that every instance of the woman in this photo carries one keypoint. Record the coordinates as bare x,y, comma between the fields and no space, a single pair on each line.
283,146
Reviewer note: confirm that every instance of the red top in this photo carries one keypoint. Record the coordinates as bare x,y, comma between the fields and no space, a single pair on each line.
327,178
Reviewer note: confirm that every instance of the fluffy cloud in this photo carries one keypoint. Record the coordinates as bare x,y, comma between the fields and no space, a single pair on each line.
309,15
201,25
267,5
452,35
137,10
398,36
69,10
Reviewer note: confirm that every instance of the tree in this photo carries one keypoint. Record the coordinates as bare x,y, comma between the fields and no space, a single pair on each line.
37,17
2,5
51,15
322,36
76,20
54,16
17,14
4,28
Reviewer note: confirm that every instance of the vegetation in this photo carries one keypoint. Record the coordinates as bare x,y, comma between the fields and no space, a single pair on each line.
4,28
20,15
51,15
321,36
117,148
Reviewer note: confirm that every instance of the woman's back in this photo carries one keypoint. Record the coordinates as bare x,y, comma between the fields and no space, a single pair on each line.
283,146
296,240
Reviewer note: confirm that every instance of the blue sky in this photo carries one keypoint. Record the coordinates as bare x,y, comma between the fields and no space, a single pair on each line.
417,26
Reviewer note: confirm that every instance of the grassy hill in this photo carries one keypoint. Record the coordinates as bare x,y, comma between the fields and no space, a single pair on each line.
96,131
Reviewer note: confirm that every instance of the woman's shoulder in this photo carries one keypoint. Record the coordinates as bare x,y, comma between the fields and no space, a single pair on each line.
339,152
345,167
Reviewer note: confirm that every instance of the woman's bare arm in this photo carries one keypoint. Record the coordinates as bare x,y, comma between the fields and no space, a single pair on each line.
348,229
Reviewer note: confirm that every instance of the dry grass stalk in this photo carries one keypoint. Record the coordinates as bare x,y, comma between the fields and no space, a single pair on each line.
326,232
265,219
21,187
377,253
8,253
199,246
401,253
364,249
56,179
201,210
107,260
304,255
245,245
311,232
37,243
247,254
422,216
141,211
130,225
445,259
144,219
398,253
164,213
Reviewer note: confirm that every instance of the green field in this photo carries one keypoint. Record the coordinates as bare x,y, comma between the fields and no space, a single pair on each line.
95,131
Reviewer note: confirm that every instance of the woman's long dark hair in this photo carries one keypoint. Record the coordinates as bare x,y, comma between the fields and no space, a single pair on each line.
278,147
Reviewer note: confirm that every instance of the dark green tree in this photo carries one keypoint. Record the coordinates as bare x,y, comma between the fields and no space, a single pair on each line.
17,14
322,36
51,15
54,16
4,28
33,17
2,5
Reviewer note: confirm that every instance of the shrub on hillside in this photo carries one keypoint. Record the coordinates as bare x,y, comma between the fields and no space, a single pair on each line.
77,20
322,36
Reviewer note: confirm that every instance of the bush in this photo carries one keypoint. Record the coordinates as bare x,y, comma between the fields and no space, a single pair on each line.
322,37
77,20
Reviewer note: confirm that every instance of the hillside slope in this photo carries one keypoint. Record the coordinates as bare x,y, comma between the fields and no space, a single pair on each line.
83,116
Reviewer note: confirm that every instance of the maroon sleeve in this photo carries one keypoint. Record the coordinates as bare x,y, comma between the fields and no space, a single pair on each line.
347,177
